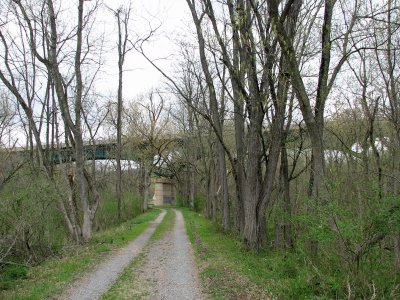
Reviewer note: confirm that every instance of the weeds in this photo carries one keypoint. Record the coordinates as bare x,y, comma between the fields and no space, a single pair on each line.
51,277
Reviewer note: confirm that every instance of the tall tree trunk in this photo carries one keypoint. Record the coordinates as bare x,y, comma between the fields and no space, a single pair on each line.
212,191
238,109
193,148
192,186
253,192
78,135
215,119
146,193
285,193
223,177
122,16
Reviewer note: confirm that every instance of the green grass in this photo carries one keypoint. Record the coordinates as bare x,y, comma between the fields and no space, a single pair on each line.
229,271
165,226
129,285
107,214
51,277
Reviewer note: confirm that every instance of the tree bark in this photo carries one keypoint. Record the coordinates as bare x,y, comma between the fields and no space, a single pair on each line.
313,122
215,118
123,16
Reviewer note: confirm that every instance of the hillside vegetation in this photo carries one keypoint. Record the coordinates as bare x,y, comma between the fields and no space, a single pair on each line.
278,121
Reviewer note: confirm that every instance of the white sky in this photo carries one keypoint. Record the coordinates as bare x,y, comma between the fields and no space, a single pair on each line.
139,75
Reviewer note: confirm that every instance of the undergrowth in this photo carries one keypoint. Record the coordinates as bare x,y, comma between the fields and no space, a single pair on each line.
51,277
229,271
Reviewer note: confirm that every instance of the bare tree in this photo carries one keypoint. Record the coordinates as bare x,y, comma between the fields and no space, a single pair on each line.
255,100
122,15
49,48
149,133
26,92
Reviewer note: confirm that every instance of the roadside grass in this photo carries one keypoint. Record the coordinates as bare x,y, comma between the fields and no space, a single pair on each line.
230,271
226,269
129,285
165,226
51,277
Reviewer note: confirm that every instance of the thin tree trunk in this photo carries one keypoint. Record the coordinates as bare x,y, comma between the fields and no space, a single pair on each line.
192,186
238,107
122,16
287,227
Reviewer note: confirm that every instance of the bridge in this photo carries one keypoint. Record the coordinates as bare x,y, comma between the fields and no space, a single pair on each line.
101,151
104,150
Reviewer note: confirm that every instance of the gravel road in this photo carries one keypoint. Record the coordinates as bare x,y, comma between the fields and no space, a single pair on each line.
105,274
168,271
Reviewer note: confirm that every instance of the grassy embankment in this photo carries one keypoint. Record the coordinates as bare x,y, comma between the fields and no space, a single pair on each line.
229,271
128,285
49,278
226,269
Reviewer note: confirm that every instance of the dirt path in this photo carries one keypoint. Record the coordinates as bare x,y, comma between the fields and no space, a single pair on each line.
168,271
105,274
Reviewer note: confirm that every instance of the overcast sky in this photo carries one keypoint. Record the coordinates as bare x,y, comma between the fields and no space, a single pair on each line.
140,76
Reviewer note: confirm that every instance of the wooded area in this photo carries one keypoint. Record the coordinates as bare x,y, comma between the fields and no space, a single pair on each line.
280,122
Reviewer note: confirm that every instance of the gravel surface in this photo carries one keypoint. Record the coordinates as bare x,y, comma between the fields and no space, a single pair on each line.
168,271
105,274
